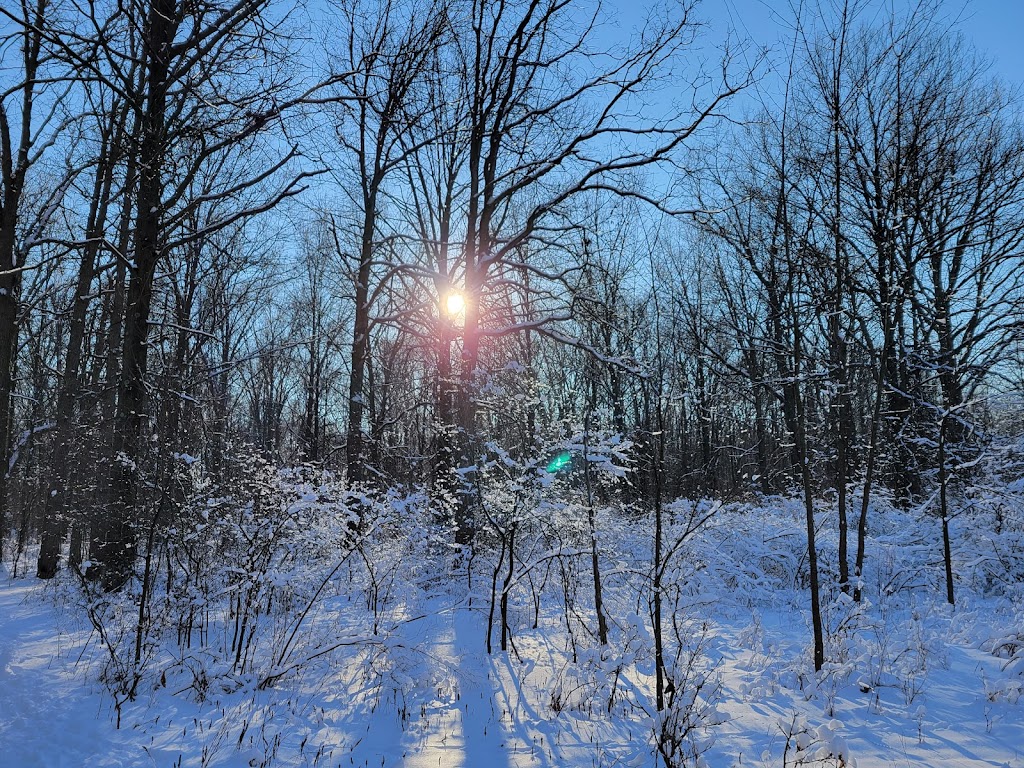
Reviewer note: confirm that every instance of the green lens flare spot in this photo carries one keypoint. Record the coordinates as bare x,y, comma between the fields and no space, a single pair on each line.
561,461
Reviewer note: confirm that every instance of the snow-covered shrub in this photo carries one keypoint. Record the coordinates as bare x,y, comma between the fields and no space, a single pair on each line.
898,650
245,562
684,729
128,651
807,745
1004,689
245,573
539,510
991,544
1009,646
592,685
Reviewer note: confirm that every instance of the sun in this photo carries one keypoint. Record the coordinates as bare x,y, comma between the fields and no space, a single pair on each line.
455,304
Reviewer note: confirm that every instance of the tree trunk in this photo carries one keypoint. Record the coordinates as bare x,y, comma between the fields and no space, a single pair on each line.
802,458
355,449
602,623
114,542
947,553
659,644
9,289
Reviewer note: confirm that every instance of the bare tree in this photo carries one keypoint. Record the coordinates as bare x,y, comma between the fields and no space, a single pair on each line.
30,126
531,147
386,50
200,102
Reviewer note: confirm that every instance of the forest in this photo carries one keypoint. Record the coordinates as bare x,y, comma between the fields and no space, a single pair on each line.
361,357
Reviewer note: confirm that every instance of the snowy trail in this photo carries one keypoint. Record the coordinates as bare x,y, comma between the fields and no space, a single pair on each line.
495,715
475,713
47,716
462,727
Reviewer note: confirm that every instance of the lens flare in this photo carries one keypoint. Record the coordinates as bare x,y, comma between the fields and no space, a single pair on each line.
561,461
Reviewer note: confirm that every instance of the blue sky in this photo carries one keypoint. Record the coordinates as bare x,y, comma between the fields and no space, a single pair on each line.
996,27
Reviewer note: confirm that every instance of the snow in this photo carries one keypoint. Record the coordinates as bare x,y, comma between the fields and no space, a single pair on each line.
51,712
389,667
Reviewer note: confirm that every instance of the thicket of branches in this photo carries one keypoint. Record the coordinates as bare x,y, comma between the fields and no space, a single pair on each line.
230,231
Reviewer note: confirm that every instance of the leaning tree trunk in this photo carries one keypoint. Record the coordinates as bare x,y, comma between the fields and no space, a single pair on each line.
947,550
802,458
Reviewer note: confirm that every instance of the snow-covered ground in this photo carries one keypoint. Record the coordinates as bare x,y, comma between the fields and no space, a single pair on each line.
909,681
